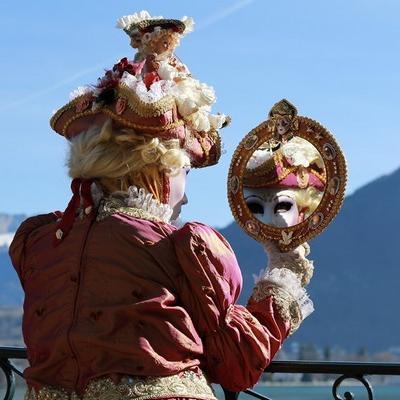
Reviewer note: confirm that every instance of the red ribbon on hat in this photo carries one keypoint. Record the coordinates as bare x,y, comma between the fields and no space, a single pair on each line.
81,194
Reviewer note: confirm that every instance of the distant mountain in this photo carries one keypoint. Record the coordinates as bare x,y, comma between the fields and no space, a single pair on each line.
11,293
357,270
10,289
10,326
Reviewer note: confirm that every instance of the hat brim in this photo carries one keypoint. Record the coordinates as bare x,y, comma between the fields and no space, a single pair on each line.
148,25
157,119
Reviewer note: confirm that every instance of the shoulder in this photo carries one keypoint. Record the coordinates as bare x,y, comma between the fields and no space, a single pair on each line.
204,252
33,223
198,232
28,227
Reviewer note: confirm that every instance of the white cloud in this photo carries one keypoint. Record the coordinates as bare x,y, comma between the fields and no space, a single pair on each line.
51,88
213,19
6,239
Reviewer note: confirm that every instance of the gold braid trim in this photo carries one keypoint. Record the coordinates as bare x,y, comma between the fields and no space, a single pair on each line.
139,107
213,133
70,104
287,307
157,129
75,117
186,384
268,166
154,109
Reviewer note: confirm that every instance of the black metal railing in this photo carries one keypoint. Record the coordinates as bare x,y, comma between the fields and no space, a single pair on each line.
9,370
344,370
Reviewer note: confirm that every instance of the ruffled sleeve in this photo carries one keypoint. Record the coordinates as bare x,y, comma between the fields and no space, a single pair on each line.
17,247
239,342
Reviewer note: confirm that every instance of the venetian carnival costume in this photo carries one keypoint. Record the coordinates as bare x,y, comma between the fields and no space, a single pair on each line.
119,303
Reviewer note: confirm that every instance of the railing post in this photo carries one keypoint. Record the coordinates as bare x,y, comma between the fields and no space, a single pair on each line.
230,395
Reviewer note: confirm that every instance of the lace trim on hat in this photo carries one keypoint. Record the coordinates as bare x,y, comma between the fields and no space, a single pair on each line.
291,299
127,20
157,91
186,384
135,203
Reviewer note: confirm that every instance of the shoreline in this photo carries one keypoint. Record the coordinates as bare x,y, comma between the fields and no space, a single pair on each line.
330,383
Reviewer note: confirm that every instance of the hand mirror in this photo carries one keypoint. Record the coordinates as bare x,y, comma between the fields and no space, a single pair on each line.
287,179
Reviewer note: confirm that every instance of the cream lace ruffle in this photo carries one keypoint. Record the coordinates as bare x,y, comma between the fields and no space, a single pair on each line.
186,384
136,203
139,198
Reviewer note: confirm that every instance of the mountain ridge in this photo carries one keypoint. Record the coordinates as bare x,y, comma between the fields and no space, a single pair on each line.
356,270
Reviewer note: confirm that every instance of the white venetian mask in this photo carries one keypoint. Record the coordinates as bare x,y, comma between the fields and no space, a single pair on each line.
276,207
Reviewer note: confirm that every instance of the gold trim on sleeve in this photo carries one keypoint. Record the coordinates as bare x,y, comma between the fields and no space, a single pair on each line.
286,305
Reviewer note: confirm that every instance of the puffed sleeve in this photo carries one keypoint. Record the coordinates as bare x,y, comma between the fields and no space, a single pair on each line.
239,342
17,247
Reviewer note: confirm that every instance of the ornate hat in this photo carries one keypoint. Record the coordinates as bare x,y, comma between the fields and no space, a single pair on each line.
144,22
295,164
153,94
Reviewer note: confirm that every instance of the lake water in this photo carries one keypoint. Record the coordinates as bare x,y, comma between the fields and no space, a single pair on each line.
381,392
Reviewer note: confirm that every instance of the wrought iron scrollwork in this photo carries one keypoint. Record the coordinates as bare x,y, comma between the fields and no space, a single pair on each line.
345,370
350,395
10,379
9,370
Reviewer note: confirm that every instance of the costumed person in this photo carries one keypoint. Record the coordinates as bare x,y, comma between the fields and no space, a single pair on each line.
120,303
283,187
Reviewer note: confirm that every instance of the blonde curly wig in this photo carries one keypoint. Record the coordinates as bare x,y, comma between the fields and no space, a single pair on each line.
308,199
117,158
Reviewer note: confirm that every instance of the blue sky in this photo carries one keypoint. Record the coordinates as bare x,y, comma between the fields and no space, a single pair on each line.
337,61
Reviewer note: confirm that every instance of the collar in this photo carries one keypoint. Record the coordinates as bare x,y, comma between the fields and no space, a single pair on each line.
136,202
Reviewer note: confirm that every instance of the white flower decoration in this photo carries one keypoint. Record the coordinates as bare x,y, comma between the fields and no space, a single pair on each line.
199,120
258,158
207,94
189,24
167,71
301,152
217,120
187,107
129,80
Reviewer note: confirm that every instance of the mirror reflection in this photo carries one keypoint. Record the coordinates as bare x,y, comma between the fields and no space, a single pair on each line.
284,181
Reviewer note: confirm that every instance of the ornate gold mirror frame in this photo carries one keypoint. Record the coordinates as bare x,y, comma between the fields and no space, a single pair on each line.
282,125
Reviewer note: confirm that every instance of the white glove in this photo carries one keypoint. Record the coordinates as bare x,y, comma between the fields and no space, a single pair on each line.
293,260
284,278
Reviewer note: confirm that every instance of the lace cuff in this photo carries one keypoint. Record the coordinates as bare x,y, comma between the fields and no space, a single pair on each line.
291,299
295,260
